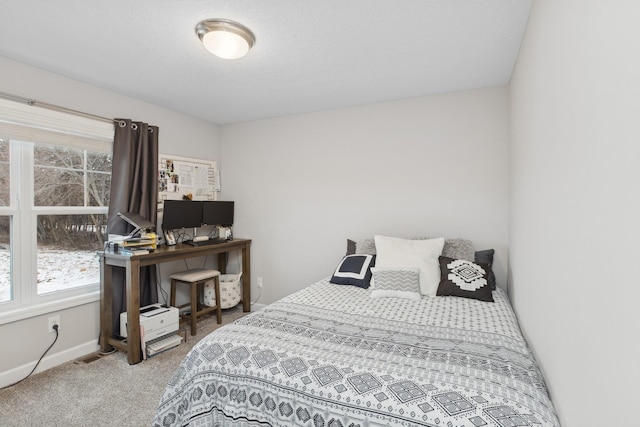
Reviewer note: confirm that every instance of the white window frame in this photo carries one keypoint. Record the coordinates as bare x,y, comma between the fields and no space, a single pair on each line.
83,132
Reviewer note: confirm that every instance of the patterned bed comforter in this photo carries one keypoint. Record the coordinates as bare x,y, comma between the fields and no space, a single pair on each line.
331,355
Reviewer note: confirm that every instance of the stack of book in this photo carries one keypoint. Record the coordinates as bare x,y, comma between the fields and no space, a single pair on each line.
138,245
133,251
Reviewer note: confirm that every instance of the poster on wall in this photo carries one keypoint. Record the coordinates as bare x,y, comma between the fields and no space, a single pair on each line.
184,178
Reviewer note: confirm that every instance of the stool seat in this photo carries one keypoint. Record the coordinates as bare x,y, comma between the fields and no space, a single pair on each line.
195,275
196,278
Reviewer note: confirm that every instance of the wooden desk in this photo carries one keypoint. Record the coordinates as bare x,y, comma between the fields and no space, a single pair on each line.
132,265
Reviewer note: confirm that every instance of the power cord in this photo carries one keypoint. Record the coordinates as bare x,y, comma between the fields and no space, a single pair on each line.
183,236
106,353
258,298
55,327
164,294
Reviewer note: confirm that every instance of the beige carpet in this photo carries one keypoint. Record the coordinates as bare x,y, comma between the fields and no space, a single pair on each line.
105,392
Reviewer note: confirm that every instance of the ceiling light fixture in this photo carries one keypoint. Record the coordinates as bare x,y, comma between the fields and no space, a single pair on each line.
224,38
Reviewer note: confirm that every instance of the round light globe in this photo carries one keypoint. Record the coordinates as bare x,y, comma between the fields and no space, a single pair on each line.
225,44
225,39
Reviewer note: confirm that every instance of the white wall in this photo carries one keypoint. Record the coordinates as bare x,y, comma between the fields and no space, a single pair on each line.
574,210
179,134
24,341
431,166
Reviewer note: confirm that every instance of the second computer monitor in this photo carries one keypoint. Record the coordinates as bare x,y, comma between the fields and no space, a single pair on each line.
217,213
179,214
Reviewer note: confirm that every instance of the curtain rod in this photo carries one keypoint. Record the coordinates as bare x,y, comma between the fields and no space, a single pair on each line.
37,103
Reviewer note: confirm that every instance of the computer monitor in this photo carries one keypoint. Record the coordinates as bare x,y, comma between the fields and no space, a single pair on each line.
218,213
181,214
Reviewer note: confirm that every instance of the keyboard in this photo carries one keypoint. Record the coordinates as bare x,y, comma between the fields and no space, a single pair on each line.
206,242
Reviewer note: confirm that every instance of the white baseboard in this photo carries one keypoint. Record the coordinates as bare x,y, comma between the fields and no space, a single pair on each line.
256,306
48,362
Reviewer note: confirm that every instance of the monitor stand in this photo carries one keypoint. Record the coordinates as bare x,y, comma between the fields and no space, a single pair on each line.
138,222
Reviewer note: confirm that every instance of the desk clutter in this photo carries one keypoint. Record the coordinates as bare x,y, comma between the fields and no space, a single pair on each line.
128,245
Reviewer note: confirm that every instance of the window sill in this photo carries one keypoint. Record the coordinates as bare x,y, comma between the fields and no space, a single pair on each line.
48,307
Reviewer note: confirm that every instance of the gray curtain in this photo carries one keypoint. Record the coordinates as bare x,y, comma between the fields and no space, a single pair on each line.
134,181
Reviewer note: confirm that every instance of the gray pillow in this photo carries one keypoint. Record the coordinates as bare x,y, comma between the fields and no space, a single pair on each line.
396,283
456,248
459,249
366,246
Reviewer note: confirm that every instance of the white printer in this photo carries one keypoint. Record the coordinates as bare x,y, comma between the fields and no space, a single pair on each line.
155,321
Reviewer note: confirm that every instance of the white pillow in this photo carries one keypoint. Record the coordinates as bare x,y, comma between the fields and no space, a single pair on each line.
394,252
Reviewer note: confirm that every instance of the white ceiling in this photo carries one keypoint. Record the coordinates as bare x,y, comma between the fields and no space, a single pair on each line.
309,55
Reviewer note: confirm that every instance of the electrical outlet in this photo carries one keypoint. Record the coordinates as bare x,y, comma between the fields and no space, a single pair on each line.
54,320
259,282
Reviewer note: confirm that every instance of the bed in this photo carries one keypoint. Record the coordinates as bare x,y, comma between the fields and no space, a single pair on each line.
334,355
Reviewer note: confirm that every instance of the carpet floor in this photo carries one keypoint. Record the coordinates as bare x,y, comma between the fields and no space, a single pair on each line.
104,392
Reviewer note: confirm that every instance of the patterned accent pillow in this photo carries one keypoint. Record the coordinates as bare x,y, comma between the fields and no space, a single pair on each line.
354,270
462,278
396,283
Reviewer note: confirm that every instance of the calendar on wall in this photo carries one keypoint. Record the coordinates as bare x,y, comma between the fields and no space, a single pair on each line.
184,178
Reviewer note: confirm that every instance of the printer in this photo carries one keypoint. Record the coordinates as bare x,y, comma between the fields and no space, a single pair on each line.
155,321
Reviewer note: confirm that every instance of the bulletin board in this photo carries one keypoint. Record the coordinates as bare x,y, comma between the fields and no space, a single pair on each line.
187,178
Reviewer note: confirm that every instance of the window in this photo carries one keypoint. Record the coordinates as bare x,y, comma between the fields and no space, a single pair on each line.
55,175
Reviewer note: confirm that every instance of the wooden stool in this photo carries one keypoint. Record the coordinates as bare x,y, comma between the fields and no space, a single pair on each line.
196,278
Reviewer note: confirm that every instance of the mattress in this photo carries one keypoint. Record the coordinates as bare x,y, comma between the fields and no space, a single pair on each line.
330,355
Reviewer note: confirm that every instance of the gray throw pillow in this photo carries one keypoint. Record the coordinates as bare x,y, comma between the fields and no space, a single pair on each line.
396,283
456,248
366,246
459,249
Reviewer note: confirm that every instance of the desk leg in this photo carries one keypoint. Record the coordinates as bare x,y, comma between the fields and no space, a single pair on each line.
106,301
246,279
133,310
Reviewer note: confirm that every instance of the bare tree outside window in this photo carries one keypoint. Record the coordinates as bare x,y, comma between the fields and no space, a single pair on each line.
68,243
